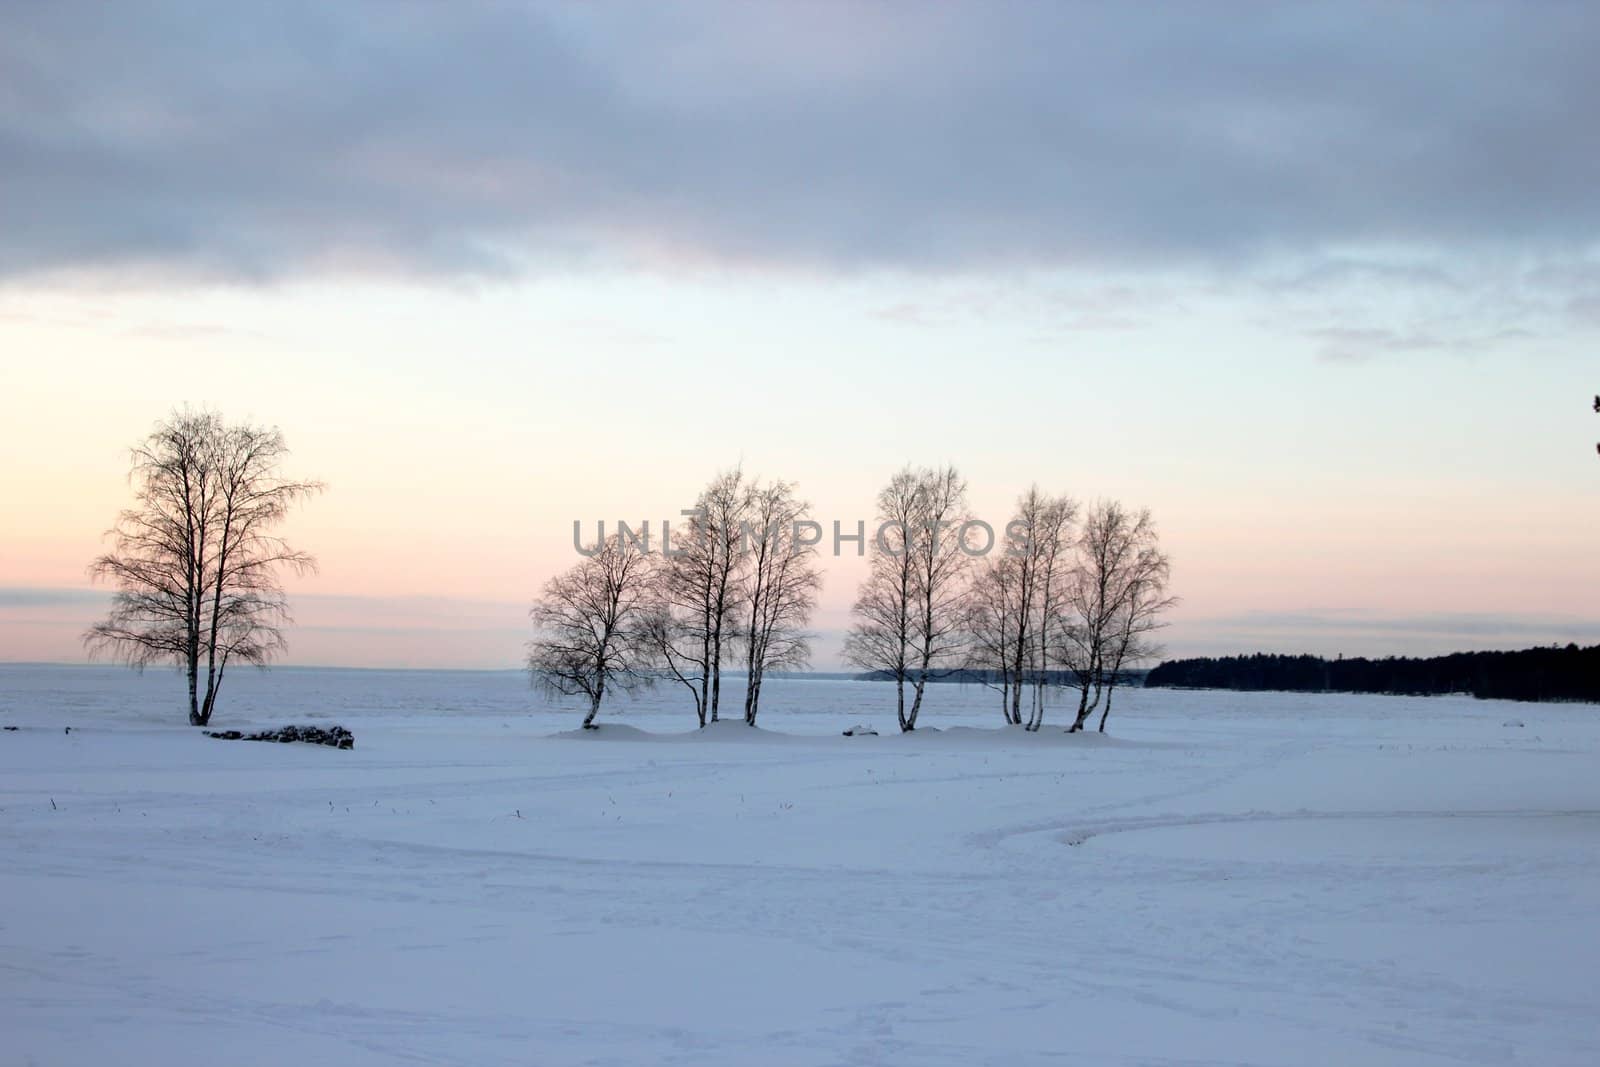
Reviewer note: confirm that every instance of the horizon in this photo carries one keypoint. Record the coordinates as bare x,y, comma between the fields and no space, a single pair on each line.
849,673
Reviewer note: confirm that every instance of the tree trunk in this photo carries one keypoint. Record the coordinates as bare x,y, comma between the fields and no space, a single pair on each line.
754,662
1083,717
701,698
1085,708
213,690
1014,714
752,702
1106,712
910,721
1036,719
194,687
752,681
594,702
716,674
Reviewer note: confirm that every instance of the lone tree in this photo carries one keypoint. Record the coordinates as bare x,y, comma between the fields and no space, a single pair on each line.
591,627
195,561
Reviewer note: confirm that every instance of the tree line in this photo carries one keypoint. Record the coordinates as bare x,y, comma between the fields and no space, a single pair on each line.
1534,674
1068,600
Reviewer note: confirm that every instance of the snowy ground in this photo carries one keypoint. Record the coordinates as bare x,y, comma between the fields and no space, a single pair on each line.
1230,879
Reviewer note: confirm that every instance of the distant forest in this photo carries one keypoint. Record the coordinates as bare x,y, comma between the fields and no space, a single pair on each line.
975,676
1555,673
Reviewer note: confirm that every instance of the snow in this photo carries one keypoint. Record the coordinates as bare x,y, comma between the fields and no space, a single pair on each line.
1227,879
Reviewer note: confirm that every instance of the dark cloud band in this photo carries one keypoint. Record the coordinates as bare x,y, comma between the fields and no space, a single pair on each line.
480,138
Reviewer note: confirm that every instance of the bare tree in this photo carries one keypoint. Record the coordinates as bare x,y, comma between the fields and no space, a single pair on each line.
1014,603
696,592
590,627
910,610
880,637
1119,565
992,624
1138,619
780,584
726,502
941,569
195,562
1046,524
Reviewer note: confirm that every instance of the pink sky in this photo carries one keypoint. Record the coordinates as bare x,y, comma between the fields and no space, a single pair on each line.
1422,505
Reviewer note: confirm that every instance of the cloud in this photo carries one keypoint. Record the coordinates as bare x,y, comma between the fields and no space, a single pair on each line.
1349,344
1358,344
485,139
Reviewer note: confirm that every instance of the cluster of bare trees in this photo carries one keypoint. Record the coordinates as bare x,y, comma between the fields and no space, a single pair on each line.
738,585
195,562
1068,601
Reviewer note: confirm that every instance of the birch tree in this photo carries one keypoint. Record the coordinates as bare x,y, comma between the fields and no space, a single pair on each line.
196,562
725,503
1138,618
780,584
941,570
1045,523
696,590
992,627
880,636
1014,603
589,627
909,611
1119,565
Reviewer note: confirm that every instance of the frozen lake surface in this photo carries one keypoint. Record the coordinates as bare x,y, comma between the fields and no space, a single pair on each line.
1227,879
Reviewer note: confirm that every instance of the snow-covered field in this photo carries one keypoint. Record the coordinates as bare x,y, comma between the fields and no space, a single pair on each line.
1228,879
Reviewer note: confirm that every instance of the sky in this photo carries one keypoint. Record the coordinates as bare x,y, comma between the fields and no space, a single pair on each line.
1319,285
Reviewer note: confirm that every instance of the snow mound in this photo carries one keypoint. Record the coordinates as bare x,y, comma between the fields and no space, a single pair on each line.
1017,737
607,731
735,731
724,730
